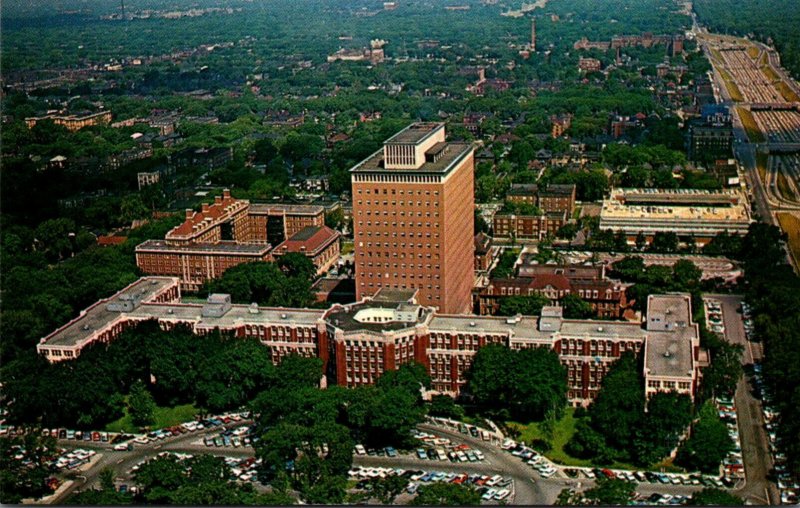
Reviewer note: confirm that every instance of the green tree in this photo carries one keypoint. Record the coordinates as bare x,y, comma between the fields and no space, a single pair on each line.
715,497
611,492
387,489
708,443
525,305
668,416
618,409
576,307
446,494
24,477
141,405
445,406
665,242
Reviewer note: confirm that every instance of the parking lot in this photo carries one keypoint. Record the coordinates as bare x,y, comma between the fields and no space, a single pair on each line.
756,451
492,488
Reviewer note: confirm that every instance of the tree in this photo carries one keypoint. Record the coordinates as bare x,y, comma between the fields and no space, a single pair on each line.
297,265
686,275
24,477
611,492
528,383
539,384
525,305
576,307
445,406
721,376
387,489
140,405
446,494
54,237
714,497
666,242
708,444
619,406
668,415
132,208
159,478
335,219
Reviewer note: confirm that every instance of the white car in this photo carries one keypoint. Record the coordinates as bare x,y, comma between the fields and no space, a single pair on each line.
547,472
121,447
502,494
361,450
489,494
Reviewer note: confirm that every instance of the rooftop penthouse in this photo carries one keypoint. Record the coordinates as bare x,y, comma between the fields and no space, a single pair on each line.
420,147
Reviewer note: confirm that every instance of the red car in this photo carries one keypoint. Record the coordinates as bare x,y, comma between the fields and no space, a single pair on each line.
609,474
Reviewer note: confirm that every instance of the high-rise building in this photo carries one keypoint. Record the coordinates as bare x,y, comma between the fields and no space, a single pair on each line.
413,212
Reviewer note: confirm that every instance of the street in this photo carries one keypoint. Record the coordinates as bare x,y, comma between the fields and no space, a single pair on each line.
752,434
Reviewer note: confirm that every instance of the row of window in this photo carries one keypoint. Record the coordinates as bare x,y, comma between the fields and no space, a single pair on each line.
395,203
669,385
402,232
400,192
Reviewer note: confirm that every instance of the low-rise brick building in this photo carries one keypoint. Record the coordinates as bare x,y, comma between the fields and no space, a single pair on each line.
358,342
223,234
606,296
319,244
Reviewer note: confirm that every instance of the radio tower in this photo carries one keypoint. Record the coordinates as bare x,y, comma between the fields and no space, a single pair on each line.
533,35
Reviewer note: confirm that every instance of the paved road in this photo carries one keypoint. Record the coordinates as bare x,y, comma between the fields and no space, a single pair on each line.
752,434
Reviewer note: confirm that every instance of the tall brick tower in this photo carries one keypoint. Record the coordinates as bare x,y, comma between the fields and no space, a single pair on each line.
413,213
533,35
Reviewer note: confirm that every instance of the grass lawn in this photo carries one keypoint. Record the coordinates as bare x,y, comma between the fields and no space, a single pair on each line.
787,92
783,186
770,73
563,431
164,417
733,90
750,126
347,247
790,224
761,166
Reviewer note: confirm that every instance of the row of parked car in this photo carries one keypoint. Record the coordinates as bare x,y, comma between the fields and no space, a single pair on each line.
714,316
73,459
464,428
490,488
732,464
790,489
749,325
530,457
435,447
239,436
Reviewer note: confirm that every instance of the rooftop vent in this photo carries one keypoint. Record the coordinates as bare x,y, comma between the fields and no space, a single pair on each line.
599,328
253,309
472,323
153,282
283,316
170,311
85,327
